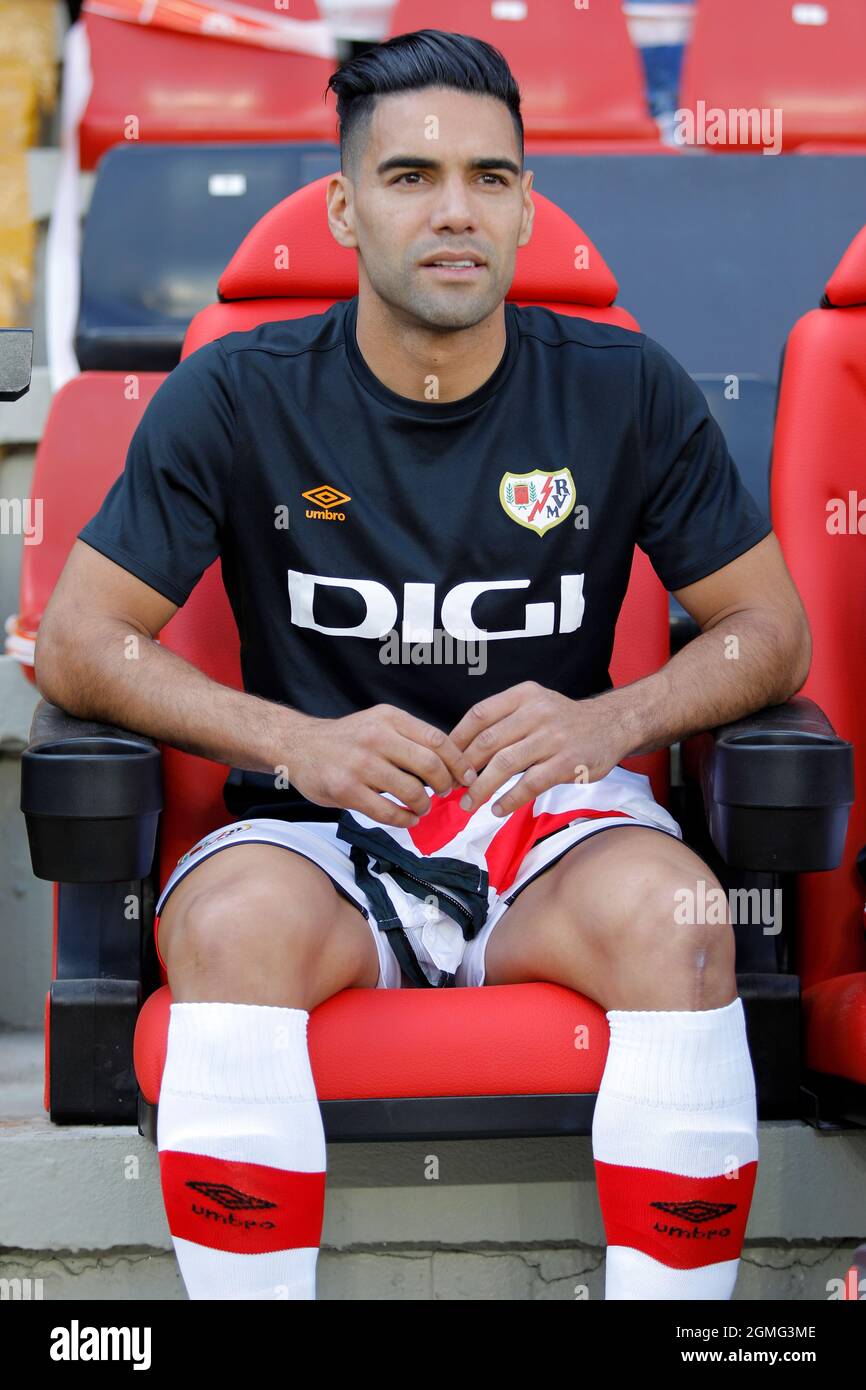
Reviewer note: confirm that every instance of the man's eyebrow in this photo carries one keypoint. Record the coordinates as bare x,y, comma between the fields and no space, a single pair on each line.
414,161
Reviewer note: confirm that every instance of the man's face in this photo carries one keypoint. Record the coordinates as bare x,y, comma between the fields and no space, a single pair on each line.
419,194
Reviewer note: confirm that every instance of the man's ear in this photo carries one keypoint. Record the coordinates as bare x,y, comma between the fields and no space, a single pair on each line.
340,218
528,210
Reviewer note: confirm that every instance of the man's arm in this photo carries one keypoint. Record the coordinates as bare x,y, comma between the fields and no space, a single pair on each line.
755,644
97,658
755,649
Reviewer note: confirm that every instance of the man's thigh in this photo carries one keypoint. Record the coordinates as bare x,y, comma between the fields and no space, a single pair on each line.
603,920
259,916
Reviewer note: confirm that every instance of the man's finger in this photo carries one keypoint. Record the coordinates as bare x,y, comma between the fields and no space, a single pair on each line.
424,765
385,774
521,756
512,729
440,743
483,714
384,810
535,780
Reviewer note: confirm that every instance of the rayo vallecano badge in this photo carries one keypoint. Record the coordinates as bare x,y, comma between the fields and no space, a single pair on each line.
538,500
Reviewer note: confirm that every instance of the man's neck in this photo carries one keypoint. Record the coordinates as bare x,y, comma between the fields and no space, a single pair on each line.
405,358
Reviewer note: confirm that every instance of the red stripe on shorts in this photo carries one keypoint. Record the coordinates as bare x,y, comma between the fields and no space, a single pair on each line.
682,1222
510,845
248,1208
442,823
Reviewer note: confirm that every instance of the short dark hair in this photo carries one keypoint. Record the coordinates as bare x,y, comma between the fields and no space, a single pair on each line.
409,62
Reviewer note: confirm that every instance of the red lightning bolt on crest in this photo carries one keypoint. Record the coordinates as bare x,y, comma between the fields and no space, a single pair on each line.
548,488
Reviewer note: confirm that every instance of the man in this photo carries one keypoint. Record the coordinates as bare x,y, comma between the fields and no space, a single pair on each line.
433,824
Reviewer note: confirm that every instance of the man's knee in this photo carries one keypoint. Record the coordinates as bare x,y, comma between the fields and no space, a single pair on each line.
220,920
666,910
662,906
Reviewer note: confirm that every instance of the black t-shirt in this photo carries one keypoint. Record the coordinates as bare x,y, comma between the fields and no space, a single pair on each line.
361,531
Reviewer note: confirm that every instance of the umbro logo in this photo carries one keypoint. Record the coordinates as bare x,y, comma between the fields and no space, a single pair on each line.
696,1211
230,1197
696,1214
326,499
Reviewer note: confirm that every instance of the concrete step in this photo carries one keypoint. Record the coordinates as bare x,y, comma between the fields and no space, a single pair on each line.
81,1207
22,1070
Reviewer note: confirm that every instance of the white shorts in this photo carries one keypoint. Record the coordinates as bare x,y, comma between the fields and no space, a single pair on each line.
475,865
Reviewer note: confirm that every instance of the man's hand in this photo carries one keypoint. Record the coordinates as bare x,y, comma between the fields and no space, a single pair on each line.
347,762
544,735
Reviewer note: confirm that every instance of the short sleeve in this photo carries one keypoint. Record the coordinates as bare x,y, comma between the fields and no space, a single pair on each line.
162,518
697,514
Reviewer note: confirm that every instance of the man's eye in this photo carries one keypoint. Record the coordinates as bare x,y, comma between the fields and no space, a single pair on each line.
415,174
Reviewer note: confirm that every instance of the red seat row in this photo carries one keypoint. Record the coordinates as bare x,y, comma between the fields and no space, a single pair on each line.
580,77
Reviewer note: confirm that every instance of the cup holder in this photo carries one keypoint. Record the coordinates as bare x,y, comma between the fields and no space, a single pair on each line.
92,807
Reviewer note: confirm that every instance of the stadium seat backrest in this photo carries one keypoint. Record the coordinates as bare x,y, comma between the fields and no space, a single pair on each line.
579,74
289,265
804,60
81,452
178,86
818,499
260,284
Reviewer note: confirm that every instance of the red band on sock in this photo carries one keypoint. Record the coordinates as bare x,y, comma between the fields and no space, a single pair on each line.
248,1208
682,1222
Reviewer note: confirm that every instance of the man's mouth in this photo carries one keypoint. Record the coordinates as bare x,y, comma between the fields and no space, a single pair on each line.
460,268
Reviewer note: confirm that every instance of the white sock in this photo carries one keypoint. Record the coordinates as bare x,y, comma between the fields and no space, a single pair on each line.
675,1143
242,1151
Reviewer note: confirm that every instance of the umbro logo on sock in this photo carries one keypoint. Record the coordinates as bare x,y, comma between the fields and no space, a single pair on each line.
695,1212
230,1197
235,1200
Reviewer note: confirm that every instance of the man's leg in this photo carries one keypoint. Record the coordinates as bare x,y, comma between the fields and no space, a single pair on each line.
252,942
675,1125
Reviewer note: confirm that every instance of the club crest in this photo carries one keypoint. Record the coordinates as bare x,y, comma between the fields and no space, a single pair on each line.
538,500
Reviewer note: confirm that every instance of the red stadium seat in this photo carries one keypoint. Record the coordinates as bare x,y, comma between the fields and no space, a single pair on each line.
579,74
75,466
253,291
183,87
806,60
524,1018
818,495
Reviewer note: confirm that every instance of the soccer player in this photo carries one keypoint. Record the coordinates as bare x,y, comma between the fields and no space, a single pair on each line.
426,462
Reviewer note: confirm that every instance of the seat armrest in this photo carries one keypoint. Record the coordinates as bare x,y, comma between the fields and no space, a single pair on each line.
91,794
50,722
777,788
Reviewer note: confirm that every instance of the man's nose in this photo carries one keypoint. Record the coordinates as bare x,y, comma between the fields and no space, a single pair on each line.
453,206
